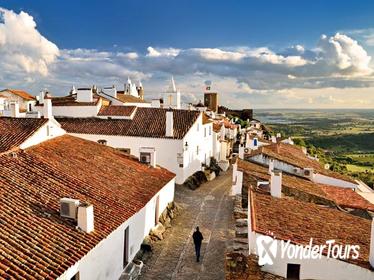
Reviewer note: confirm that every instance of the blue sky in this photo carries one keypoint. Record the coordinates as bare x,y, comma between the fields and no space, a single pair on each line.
301,53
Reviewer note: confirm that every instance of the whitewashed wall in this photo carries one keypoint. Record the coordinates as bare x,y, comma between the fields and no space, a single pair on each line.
167,150
73,111
317,178
49,130
105,261
320,269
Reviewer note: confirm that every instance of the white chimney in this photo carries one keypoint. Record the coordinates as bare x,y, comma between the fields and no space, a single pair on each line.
14,108
241,152
41,97
276,184
112,91
85,219
47,107
371,252
279,135
84,95
271,166
169,124
273,139
155,103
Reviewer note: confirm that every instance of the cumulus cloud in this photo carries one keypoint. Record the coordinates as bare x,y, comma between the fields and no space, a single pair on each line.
22,46
345,55
27,59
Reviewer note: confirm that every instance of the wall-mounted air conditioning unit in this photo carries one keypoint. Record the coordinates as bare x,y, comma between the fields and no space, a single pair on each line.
145,158
68,207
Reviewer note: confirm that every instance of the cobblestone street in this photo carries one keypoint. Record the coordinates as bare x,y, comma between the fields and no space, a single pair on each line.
210,208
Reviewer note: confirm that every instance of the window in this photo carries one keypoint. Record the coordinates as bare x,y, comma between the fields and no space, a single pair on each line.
75,277
197,150
198,127
293,271
30,109
102,142
210,130
204,131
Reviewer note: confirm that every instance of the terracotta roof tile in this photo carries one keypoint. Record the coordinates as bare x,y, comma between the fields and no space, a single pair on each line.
294,155
35,241
299,221
147,122
20,93
341,196
114,110
14,131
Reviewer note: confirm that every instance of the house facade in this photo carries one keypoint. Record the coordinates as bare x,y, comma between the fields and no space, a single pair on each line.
113,202
177,138
284,211
24,101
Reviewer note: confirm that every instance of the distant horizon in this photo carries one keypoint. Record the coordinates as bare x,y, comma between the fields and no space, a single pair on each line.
257,57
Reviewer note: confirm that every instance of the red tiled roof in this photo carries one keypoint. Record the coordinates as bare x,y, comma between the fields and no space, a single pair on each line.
127,98
293,155
299,221
116,110
15,131
341,196
36,243
20,93
147,122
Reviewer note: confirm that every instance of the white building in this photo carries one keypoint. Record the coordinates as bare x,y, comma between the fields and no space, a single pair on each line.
279,219
73,209
24,100
179,139
292,159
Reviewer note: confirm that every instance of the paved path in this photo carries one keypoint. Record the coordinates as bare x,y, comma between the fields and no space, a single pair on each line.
211,209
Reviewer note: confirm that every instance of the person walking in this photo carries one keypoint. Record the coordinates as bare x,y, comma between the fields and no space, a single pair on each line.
197,239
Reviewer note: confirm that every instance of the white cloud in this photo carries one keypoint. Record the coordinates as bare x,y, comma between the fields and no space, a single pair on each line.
345,54
245,76
22,46
160,52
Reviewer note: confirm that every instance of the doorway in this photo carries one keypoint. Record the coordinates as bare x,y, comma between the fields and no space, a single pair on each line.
126,247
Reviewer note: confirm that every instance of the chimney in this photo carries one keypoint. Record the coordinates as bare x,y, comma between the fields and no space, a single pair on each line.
273,139
156,103
47,106
84,95
41,97
112,91
14,108
279,135
271,166
85,217
276,184
169,124
371,252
